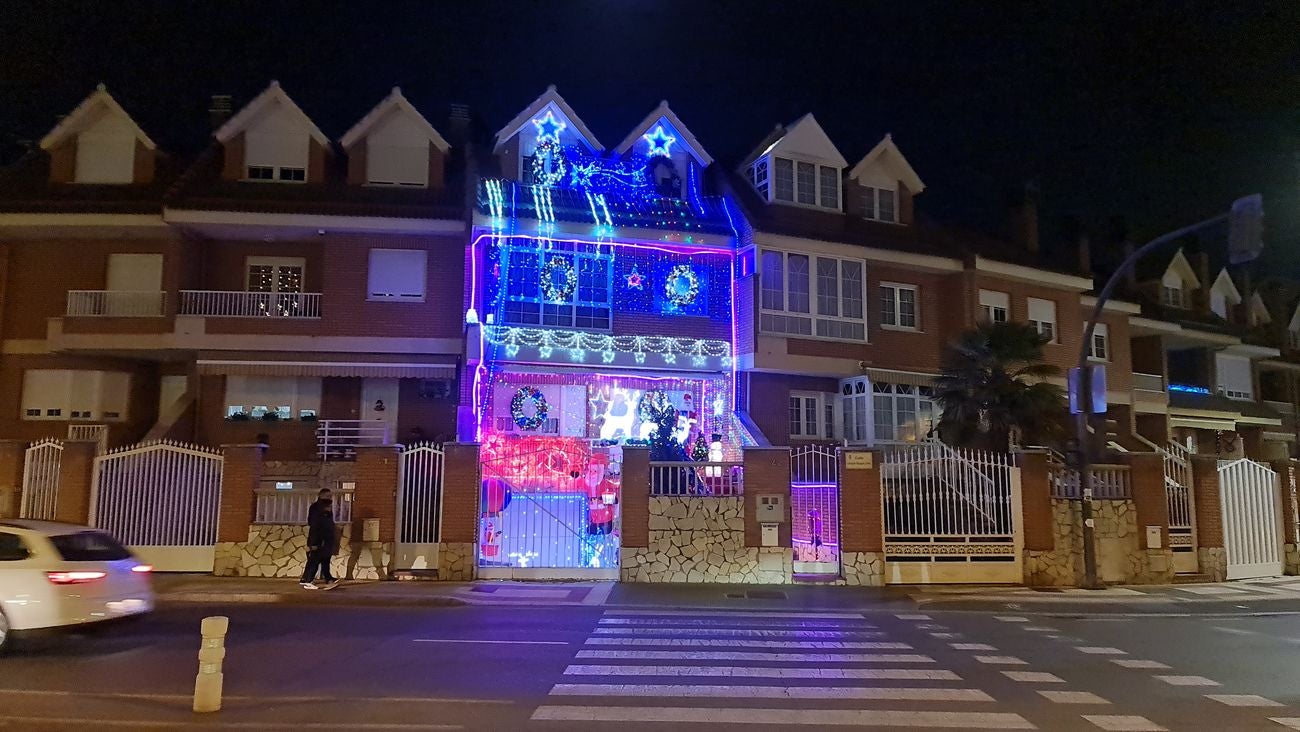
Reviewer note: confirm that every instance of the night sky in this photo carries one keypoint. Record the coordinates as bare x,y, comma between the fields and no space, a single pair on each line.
1161,113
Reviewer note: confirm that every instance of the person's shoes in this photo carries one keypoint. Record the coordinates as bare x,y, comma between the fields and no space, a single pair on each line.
331,584
309,585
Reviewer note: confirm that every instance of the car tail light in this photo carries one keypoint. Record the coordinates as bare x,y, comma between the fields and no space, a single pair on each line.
74,578
142,568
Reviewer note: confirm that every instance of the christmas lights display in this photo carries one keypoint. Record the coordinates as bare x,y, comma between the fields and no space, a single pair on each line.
659,141
559,280
525,396
681,286
549,163
635,280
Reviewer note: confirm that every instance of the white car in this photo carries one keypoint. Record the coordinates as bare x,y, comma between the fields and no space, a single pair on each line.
58,575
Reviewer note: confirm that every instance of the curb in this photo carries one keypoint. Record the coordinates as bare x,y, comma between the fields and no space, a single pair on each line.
305,598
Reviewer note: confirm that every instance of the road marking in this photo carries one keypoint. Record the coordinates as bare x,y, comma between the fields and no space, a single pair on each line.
1034,677
742,632
1001,660
1100,650
1137,663
912,617
1291,722
972,647
737,614
1072,697
945,635
598,594
757,623
1243,700
759,656
1123,723
817,717
494,642
754,672
931,626
1188,681
1212,590
174,724
1238,631
269,699
1011,618
877,693
716,642
540,593
1038,629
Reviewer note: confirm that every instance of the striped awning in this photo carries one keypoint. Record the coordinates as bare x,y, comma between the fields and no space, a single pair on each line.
886,376
376,369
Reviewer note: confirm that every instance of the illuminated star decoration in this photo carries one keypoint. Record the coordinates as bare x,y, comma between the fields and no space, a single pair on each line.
635,279
660,141
549,128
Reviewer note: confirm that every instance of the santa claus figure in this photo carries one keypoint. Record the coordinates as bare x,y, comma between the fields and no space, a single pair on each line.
602,495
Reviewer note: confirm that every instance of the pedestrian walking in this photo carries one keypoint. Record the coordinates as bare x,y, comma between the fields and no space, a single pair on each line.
322,542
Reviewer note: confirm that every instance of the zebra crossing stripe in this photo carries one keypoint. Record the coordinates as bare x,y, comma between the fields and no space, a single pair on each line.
761,656
742,632
739,643
734,614
896,674
815,717
742,622
875,693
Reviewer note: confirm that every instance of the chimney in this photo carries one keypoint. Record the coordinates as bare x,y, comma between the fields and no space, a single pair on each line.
1085,255
1202,260
458,124
220,110
1024,219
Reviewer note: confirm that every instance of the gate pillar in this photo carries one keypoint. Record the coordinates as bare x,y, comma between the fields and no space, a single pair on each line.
1147,479
376,492
12,454
461,486
862,528
1287,474
1210,554
241,474
76,472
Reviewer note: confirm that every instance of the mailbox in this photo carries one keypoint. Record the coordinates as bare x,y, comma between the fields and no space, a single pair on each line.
771,509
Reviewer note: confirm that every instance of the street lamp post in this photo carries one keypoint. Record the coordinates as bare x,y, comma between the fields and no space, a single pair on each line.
1245,226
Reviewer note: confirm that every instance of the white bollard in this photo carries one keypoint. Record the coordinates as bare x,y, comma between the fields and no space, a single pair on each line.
212,651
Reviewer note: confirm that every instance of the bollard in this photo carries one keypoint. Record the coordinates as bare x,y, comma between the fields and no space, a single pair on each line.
212,651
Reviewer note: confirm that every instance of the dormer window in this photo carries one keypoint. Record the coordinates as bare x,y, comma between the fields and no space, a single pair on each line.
1172,295
880,204
758,176
798,181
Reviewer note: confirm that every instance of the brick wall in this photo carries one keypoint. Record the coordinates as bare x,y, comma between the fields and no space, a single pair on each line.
12,455
769,400
1205,497
75,472
240,477
1036,501
377,471
1288,473
142,407
861,512
232,167
460,493
142,169
635,499
1147,477
285,440
767,473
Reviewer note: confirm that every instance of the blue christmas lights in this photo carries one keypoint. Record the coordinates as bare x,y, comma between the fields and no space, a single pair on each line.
659,142
549,128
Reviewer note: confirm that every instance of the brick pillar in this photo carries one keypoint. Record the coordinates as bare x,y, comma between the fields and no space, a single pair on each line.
75,473
460,493
1210,553
376,492
862,521
1287,473
12,456
1036,501
767,472
634,503
1147,477
240,477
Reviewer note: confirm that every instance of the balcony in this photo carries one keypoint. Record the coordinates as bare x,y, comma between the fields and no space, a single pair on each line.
338,439
116,304
221,304
1148,382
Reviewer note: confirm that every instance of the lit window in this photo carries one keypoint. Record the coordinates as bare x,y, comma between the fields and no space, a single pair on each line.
898,306
526,303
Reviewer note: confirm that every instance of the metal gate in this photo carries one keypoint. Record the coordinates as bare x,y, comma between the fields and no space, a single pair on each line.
1182,516
41,464
163,500
419,507
1250,497
951,515
550,510
815,510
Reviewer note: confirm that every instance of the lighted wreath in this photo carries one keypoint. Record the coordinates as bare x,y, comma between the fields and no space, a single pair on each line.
548,151
525,395
558,268
682,285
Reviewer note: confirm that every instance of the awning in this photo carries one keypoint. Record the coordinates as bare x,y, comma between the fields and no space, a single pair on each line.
886,376
1204,423
392,370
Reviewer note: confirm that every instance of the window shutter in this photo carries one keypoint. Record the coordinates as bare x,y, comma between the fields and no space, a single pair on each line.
397,274
397,164
1043,311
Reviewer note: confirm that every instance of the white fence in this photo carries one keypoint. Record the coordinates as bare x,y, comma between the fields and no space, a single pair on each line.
41,464
951,515
163,500
340,438
686,478
227,304
1252,519
116,303
276,506
96,432
1107,481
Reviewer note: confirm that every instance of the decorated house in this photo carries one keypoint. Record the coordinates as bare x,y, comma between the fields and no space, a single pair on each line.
600,315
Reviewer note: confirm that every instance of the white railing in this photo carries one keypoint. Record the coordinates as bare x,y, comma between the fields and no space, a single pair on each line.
1178,487
290,507
222,304
340,438
41,465
419,500
95,432
686,478
116,303
1107,481
1148,382
158,494
931,490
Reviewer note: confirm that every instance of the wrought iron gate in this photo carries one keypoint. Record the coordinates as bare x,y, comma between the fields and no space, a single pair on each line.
41,464
419,507
1182,515
815,510
1251,501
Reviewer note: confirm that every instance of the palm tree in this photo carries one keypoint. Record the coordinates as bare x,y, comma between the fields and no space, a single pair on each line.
993,383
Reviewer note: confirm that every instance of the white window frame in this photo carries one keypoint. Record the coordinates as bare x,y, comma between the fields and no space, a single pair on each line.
871,204
923,406
993,302
1044,326
275,263
823,420
372,286
279,174
896,289
571,320
820,200
298,398
1100,335
812,316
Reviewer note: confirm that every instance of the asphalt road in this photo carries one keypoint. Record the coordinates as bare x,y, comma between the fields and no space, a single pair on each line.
593,668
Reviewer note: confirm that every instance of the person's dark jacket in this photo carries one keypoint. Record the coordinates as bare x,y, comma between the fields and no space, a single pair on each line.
320,528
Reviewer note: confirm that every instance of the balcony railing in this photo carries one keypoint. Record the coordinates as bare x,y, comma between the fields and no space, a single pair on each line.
223,304
696,479
1148,382
339,438
290,506
116,303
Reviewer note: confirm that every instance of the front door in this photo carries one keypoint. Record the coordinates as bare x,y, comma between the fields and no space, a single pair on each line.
379,404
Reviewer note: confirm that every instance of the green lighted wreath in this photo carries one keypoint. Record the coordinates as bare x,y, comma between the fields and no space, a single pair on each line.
563,290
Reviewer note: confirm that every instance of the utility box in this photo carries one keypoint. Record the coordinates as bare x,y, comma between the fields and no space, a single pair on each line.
370,530
771,535
771,509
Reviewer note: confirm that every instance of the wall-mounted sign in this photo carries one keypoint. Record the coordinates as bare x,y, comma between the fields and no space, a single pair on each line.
859,460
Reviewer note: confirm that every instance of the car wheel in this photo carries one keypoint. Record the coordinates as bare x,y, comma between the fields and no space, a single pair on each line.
6,635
